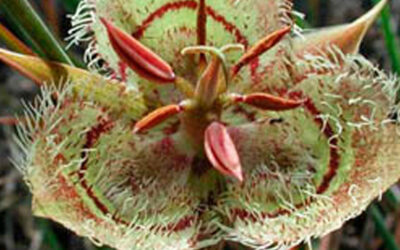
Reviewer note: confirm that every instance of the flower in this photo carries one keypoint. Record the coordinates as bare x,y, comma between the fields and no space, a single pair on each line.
216,124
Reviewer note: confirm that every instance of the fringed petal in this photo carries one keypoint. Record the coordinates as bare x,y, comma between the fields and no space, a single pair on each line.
308,171
89,172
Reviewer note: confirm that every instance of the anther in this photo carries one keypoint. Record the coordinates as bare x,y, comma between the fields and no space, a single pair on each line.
260,47
266,101
221,151
138,57
159,115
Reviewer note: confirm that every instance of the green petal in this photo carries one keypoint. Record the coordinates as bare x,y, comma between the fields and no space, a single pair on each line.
309,170
168,26
89,172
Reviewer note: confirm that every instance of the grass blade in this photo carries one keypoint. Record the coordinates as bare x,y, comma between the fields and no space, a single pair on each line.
11,41
19,31
391,40
382,229
49,237
70,5
30,21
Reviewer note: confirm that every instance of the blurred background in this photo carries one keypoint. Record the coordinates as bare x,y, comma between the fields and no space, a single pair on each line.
377,228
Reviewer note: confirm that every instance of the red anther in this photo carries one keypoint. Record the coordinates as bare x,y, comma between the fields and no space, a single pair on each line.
221,151
269,102
156,117
138,57
260,47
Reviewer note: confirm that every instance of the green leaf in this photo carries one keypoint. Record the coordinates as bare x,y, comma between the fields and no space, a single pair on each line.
391,40
18,30
70,5
49,236
31,23
382,229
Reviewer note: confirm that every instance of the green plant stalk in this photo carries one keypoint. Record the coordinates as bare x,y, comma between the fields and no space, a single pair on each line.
30,21
392,198
380,224
391,40
70,5
21,32
49,236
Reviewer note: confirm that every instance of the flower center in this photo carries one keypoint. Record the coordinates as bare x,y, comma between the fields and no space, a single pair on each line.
200,113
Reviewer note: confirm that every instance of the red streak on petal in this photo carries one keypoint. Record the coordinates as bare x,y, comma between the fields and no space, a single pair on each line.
228,26
68,192
182,224
160,12
122,71
334,153
328,177
91,138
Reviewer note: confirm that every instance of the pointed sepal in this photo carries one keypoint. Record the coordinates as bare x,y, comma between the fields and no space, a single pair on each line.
41,71
346,37
221,151
137,56
109,93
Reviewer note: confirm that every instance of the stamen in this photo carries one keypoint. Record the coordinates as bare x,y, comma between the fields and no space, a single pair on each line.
260,47
158,116
221,151
267,101
138,57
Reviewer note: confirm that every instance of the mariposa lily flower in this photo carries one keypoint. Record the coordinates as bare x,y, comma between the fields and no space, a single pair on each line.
213,121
